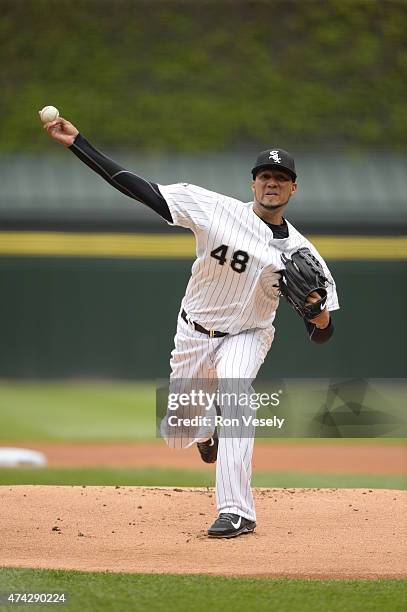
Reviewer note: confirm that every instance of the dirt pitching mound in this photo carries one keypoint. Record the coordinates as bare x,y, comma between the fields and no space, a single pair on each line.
319,533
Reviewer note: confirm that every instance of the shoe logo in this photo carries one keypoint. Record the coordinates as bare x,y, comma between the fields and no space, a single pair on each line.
237,525
323,305
212,442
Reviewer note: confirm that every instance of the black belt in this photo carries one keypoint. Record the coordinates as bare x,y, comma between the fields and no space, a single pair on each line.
209,332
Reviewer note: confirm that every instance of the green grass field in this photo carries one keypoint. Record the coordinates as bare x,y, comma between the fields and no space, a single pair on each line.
190,478
77,411
111,411
171,593
92,411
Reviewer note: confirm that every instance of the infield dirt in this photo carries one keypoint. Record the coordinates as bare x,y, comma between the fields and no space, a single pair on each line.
372,458
315,533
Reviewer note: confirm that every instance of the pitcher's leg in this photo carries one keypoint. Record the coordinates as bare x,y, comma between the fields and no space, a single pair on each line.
238,361
191,369
233,476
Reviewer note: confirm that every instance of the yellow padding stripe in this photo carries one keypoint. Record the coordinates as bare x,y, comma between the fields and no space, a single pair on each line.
178,246
63,244
361,247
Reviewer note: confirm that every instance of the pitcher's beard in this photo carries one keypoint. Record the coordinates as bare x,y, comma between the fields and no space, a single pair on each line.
271,206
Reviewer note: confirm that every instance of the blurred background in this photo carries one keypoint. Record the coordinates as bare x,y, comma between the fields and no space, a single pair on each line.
91,281
192,91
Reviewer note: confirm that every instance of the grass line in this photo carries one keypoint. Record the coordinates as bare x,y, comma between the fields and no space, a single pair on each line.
190,478
173,593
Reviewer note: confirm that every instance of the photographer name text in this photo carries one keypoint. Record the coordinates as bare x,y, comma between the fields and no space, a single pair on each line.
219,420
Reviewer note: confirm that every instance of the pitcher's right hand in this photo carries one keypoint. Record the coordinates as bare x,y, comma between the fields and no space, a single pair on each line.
62,131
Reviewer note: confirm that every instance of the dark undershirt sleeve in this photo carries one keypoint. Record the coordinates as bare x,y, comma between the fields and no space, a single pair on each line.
125,181
319,336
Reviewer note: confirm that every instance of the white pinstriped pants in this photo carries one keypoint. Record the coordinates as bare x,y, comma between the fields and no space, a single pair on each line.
239,356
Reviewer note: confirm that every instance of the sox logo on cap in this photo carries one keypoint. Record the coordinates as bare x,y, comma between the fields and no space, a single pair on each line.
275,157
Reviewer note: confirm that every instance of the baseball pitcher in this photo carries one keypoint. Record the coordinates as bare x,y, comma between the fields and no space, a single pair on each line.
247,256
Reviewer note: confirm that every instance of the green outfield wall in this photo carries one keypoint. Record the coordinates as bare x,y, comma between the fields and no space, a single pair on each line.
116,318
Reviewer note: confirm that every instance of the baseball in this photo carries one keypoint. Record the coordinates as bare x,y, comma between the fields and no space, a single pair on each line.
49,113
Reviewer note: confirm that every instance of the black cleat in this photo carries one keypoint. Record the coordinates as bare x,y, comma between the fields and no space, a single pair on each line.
209,449
229,525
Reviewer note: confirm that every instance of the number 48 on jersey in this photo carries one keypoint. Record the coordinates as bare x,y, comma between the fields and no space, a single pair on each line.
238,261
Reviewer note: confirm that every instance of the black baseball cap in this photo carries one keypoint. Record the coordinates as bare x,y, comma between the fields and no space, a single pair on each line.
275,158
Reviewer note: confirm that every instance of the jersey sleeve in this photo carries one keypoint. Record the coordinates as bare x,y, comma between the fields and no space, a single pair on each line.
190,206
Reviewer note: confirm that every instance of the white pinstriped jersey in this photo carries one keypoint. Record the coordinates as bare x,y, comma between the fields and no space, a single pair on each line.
234,280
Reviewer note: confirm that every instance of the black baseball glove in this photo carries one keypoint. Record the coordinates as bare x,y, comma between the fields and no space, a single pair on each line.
303,274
